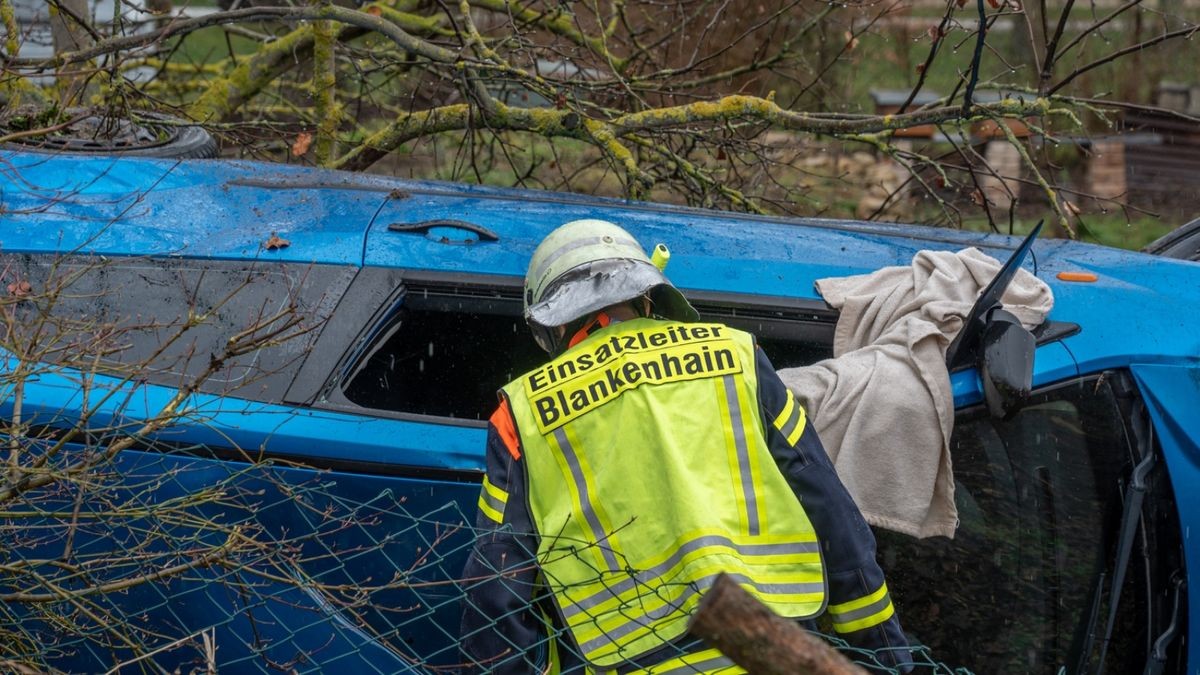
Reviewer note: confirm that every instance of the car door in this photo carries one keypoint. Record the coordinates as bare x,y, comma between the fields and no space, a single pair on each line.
210,507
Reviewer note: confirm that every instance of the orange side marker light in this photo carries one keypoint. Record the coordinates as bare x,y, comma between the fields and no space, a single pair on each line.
1084,277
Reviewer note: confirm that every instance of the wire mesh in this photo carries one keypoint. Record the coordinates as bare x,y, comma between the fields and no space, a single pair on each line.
128,546
171,561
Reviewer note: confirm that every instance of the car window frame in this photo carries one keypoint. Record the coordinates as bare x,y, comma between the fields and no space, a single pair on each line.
337,352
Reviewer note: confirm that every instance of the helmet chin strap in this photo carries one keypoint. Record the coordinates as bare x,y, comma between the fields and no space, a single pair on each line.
599,319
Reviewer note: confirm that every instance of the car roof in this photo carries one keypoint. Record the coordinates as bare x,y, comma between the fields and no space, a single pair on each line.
1140,308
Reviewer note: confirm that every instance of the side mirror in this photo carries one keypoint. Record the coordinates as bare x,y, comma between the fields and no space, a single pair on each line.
1006,364
995,341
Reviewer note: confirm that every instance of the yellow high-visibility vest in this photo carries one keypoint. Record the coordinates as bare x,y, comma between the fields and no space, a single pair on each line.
649,474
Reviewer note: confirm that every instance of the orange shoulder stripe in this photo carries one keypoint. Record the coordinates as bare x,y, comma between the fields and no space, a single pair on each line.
503,421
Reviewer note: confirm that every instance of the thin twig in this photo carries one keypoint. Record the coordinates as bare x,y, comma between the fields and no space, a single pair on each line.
1097,25
933,51
976,59
29,133
1051,56
1182,32
167,647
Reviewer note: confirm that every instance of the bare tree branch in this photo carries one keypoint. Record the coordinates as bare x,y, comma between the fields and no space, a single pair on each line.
1132,49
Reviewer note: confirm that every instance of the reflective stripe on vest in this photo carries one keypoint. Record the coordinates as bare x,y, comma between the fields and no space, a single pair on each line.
735,429
704,662
709,662
492,501
649,475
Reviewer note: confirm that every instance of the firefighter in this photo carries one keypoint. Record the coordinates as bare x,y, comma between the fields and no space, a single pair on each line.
650,454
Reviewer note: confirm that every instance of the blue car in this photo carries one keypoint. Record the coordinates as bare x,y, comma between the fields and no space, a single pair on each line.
244,409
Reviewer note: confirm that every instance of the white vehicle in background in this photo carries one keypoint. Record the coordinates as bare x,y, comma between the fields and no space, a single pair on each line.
105,18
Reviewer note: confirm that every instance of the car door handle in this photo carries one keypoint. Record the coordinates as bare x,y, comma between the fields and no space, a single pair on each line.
425,226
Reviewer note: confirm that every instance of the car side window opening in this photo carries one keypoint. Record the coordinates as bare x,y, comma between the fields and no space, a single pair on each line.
445,350
444,363
1039,499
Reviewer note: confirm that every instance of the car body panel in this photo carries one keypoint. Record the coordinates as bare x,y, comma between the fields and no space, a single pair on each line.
285,622
413,484
117,207
227,210
1172,394
1143,309
322,436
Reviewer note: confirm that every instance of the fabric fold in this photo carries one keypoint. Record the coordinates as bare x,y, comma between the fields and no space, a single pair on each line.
883,406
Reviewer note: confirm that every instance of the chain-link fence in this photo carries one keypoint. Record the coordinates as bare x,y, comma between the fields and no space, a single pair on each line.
172,561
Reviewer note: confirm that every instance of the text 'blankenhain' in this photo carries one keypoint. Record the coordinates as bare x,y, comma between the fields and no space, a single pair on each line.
578,382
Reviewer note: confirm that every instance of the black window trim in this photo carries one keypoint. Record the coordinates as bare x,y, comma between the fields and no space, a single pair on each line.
811,320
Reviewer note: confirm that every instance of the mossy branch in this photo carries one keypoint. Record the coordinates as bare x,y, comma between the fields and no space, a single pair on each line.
225,95
404,128
349,17
459,117
554,122
324,87
12,32
414,23
1051,193
602,137
766,110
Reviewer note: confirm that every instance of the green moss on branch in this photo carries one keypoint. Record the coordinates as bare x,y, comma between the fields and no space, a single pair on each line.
226,94
324,84
12,32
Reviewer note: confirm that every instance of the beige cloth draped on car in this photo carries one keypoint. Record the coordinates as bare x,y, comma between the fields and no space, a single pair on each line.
883,405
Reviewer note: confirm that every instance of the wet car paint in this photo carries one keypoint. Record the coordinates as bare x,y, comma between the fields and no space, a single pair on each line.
1141,312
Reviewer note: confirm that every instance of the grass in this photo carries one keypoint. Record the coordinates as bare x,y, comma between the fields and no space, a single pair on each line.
1117,231
209,45
1106,229
890,54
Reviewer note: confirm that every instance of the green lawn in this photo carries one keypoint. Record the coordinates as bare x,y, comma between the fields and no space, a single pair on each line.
889,56
209,45
1107,229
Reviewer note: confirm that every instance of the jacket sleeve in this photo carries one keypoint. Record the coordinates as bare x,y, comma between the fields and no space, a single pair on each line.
859,605
502,631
